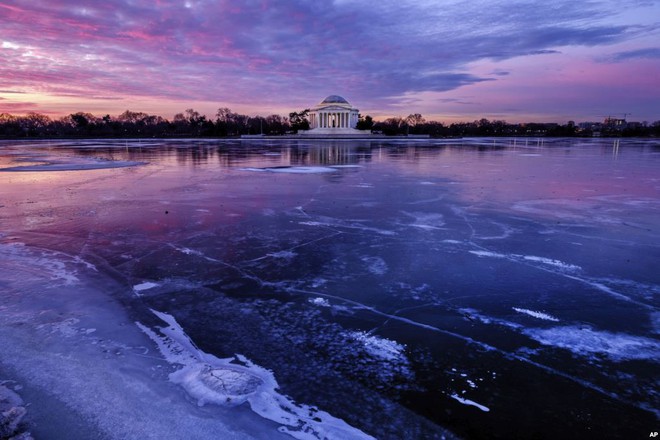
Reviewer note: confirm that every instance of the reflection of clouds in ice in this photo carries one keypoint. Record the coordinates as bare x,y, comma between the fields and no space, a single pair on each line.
584,341
236,380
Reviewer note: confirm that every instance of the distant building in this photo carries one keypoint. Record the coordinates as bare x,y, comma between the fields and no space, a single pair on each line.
333,115
616,124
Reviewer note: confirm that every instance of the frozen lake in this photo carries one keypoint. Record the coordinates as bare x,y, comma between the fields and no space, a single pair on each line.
475,288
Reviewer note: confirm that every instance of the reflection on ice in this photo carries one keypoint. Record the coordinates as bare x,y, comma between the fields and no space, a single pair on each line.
381,282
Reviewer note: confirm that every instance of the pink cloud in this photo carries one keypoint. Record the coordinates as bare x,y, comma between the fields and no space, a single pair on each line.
259,53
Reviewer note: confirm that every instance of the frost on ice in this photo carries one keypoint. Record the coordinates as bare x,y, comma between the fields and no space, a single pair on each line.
233,381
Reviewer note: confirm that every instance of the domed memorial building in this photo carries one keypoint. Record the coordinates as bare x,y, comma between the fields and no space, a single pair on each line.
333,116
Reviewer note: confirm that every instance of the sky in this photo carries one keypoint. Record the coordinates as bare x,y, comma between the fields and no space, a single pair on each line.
450,60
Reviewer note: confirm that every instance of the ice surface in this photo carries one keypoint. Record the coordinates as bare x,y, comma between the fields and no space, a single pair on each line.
359,272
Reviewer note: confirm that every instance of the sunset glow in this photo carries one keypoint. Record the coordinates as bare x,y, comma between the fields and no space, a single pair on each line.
451,61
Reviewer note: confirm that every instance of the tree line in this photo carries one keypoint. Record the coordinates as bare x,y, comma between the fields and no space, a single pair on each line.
227,123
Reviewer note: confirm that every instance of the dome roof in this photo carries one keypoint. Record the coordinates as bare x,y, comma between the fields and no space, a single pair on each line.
334,99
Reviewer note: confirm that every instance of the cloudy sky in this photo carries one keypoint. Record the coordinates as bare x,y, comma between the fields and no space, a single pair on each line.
549,60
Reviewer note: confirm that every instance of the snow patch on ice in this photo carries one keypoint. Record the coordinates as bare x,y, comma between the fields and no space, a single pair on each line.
314,224
469,402
232,381
321,302
144,286
380,347
533,258
584,341
474,315
187,251
283,254
535,314
487,254
550,262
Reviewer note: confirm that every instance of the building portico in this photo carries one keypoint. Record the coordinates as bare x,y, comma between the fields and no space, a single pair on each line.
334,112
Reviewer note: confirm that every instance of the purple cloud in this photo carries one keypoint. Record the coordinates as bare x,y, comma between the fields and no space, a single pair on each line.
645,53
263,53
